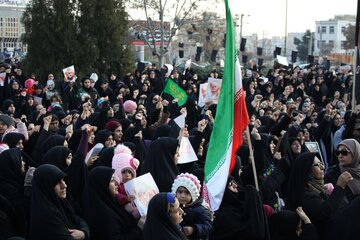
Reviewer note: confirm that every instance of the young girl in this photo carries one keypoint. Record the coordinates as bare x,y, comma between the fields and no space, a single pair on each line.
125,166
197,222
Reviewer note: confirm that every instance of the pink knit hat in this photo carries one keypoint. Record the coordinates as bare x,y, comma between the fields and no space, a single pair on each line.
29,83
3,147
190,182
130,106
122,160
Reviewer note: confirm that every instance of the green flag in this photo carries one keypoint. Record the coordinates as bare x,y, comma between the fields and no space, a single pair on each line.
176,92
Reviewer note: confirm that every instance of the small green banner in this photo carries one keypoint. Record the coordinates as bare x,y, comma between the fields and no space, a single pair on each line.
175,91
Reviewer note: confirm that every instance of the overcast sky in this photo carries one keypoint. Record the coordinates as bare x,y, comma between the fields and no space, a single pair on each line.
267,17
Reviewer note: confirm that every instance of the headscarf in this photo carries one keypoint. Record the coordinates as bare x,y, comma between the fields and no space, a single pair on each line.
283,225
105,157
52,141
11,177
298,178
99,203
240,215
101,136
158,224
57,156
160,162
354,168
51,217
12,138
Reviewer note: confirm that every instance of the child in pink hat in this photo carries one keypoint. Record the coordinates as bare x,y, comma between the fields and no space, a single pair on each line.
125,166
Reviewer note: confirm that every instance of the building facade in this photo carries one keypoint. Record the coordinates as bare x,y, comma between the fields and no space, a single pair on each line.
330,35
11,28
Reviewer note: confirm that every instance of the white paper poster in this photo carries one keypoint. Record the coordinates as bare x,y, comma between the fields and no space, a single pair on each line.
143,188
37,99
187,65
94,151
186,152
180,121
282,60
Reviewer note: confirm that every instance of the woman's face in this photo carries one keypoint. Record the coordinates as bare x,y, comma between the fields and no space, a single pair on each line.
109,141
15,86
272,147
11,108
31,101
113,186
318,169
118,133
87,83
337,120
176,213
110,113
296,147
313,117
233,186
68,159
60,189
344,155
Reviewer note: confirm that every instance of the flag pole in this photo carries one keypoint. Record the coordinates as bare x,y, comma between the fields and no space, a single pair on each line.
353,96
252,157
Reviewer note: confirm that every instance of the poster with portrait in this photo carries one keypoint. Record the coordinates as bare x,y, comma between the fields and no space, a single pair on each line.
143,188
69,73
213,90
314,147
2,78
202,94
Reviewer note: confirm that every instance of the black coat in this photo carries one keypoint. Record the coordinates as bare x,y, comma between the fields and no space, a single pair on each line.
12,187
240,216
106,218
198,217
160,162
51,217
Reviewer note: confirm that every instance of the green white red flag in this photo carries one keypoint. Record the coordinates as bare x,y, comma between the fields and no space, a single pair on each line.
230,122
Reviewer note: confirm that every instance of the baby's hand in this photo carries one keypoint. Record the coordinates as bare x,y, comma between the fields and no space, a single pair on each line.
130,198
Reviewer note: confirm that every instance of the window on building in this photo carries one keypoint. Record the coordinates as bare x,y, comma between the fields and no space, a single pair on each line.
318,29
331,43
331,29
343,29
343,44
318,43
323,29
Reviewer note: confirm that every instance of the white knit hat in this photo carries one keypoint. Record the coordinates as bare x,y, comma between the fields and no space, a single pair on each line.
190,182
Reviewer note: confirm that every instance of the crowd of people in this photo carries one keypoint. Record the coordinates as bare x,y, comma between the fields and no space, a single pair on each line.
304,133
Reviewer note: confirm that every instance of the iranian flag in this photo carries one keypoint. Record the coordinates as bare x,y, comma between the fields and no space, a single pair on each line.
230,122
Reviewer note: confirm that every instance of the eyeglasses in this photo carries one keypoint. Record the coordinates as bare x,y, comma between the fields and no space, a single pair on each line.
343,152
319,164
